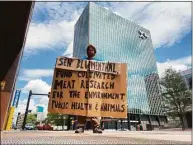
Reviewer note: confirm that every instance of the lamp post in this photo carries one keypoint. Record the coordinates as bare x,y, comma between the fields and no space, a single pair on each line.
26,110
128,118
27,107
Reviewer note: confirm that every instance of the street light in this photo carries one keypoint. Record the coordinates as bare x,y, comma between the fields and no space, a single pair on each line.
27,107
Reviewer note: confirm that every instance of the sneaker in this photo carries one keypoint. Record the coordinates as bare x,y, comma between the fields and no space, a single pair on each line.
79,130
97,130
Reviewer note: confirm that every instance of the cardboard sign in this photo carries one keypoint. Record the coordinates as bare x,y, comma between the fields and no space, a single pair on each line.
85,65
89,93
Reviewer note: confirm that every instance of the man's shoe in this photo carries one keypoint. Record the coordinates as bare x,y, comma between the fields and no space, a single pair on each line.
97,130
79,130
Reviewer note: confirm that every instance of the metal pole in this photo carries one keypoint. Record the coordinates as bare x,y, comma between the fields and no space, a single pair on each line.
121,124
128,121
69,122
150,122
158,120
26,111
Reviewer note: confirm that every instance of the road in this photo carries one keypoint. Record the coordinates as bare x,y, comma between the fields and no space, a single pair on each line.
108,137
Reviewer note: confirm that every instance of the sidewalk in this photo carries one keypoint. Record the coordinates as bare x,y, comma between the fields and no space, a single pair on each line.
176,129
156,135
150,135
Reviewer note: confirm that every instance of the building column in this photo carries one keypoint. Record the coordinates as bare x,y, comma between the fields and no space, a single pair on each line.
185,122
150,121
188,116
69,122
166,119
128,121
139,117
158,120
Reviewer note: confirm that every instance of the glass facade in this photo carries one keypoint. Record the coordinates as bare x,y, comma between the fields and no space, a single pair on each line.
187,76
81,34
120,40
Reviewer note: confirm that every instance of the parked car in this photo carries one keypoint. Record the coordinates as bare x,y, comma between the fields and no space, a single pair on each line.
44,127
29,127
39,127
47,127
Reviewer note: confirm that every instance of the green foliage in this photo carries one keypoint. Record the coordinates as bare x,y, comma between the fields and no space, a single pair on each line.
176,96
31,118
55,119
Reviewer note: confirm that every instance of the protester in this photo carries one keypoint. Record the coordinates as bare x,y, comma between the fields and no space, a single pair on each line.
95,121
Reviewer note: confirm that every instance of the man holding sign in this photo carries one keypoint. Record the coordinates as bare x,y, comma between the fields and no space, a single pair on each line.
88,88
91,51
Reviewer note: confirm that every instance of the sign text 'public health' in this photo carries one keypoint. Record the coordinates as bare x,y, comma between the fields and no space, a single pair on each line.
89,88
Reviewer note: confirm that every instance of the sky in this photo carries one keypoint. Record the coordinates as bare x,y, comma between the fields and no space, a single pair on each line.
51,33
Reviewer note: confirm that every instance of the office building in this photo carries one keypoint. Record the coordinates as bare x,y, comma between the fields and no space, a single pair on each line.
20,119
187,76
120,40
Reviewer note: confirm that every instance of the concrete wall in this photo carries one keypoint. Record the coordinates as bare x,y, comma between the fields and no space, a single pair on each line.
6,94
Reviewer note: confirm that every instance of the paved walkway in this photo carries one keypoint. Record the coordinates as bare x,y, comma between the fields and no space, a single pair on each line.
108,137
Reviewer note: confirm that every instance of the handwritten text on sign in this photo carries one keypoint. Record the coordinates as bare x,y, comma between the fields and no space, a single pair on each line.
84,65
89,93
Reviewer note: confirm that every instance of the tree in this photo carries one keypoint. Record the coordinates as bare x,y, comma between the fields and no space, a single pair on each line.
31,118
177,97
55,119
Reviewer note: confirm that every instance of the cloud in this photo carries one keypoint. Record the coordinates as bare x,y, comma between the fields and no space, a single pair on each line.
52,26
46,11
31,74
54,35
178,65
37,86
22,105
168,22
